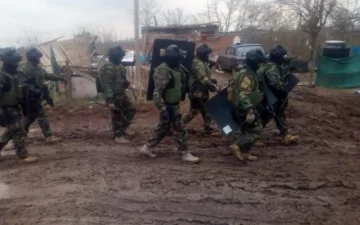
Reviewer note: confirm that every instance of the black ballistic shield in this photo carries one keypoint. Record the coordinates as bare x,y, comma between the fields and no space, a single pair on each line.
223,113
158,57
269,96
291,82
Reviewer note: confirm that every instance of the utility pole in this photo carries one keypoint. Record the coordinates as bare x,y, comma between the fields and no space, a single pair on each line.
138,79
208,10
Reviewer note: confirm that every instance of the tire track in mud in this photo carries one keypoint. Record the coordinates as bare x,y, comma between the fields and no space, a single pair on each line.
88,179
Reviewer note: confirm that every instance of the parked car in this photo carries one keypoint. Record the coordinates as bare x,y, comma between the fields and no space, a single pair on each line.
97,59
336,49
235,55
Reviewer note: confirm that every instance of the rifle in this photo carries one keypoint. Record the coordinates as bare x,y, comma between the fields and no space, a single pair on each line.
43,88
129,87
46,95
32,99
185,81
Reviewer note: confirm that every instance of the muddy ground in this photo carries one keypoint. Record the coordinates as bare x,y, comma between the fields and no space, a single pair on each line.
87,179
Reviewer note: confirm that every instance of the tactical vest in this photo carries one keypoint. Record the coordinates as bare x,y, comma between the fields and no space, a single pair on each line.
172,93
194,83
265,67
117,85
36,71
247,82
12,96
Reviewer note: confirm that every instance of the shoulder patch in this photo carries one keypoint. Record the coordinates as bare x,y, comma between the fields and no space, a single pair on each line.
245,83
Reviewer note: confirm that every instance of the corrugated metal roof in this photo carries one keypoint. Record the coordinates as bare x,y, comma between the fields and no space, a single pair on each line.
76,50
179,27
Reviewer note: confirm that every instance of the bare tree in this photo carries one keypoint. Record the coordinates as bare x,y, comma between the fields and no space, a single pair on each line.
202,17
224,12
345,17
342,21
30,37
107,34
313,16
175,17
149,9
84,32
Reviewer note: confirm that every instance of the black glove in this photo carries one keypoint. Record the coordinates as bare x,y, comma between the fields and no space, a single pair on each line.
214,88
211,64
214,81
126,84
164,116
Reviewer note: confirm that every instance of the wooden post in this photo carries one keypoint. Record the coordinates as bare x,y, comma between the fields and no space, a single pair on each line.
137,46
68,89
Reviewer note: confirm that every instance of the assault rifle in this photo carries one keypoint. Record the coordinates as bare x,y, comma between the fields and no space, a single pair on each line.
46,95
43,88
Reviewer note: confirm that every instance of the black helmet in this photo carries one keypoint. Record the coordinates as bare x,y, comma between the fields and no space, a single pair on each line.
116,54
10,56
173,55
33,53
173,52
277,54
253,58
117,51
203,50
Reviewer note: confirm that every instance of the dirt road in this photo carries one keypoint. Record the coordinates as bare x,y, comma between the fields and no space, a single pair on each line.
88,179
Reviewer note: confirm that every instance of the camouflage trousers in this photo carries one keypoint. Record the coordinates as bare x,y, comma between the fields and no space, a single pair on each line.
196,107
41,116
122,116
250,133
174,126
279,116
15,131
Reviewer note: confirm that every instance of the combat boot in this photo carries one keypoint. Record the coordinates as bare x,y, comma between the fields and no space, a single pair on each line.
188,157
129,134
208,129
211,131
242,156
121,140
259,144
9,146
52,139
30,159
146,151
291,139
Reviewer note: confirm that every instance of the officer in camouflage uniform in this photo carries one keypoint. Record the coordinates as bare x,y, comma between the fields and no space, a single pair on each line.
113,82
32,70
273,74
167,96
245,92
200,83
11,97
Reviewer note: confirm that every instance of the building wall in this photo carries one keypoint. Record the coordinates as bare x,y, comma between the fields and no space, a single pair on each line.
83,88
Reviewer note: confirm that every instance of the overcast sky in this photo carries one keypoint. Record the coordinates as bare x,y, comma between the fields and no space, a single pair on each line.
56,18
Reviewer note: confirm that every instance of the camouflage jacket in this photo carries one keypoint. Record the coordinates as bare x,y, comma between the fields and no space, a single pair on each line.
168,84
274,77
10,91
29,71
199,80
113,80
244,90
